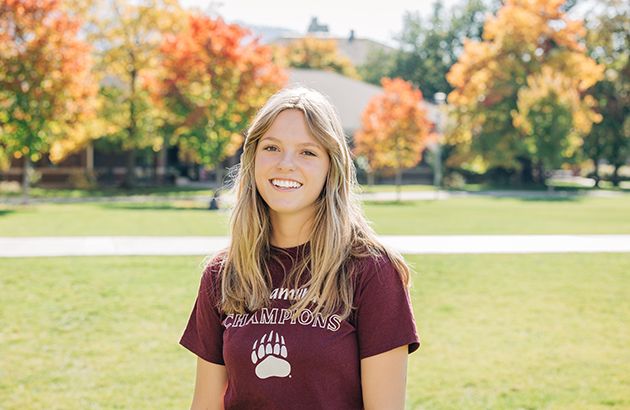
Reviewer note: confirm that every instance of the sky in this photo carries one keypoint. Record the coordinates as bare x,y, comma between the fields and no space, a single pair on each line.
375,20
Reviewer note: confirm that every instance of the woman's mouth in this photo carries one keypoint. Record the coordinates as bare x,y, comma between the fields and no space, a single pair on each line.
285,184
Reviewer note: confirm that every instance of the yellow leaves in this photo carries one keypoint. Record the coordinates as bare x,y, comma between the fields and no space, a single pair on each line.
316,53
235,142
530,57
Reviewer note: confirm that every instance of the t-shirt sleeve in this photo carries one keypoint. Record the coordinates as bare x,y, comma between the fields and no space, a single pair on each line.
204,332
384,315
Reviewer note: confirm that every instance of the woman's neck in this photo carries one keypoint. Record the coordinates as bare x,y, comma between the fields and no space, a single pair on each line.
290,230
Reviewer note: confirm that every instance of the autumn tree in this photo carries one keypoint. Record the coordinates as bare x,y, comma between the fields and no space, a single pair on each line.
216,75
315,53
505,86
608,41
129,35
46,87
394,129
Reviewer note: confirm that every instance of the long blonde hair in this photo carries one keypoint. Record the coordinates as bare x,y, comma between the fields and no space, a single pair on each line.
340,230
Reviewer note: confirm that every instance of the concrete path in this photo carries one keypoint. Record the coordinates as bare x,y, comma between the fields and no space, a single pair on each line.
197,245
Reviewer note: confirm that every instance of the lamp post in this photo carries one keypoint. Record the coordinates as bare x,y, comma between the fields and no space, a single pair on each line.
440,99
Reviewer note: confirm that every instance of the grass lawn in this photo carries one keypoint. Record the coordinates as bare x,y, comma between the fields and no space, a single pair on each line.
498,331
168,191
473,215
392,188
188,191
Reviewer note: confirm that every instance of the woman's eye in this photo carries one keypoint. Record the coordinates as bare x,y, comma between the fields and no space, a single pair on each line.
310,153
269,146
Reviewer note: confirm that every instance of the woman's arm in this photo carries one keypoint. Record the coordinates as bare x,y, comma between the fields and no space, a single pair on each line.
209,386
384,380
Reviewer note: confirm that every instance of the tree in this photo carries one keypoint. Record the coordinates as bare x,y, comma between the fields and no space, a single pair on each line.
608,41
428,47
378,65
47,93
316,53
129,36
215,78
527,44
394,129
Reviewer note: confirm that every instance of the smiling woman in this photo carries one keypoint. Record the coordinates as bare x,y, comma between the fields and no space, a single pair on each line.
291,169
305,308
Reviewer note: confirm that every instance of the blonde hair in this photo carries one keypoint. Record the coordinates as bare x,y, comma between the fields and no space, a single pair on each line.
340,230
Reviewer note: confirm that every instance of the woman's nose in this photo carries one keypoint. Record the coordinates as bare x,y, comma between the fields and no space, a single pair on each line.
287,161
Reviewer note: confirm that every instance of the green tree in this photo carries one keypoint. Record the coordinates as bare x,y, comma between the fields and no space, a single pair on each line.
608,40
378,65
428,47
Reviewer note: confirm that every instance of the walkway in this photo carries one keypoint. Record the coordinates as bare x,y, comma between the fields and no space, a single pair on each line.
197,245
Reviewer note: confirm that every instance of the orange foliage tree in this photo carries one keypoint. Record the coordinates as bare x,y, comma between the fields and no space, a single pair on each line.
215,78
507,87
394,129
315,53
47,92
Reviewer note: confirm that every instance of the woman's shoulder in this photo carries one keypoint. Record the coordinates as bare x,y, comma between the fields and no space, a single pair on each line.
369,262
212,267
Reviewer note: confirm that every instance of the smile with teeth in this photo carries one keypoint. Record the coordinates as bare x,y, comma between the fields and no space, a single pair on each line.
285,184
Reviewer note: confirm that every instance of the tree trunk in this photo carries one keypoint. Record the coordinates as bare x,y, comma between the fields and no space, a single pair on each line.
218,176
527,172
130,176
398,182
596,172
26,178
160,166
596,157
615,175
370,179
539,173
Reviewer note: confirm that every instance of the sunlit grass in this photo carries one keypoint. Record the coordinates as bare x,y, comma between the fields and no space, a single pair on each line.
498,331
473,215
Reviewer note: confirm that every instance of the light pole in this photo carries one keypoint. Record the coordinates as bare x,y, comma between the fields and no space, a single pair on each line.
440,99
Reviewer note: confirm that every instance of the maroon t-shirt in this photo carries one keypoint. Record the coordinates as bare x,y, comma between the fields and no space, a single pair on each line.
312,362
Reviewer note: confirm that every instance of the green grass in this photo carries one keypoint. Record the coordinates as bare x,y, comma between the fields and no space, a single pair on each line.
184,191
473,215
507,216
392,188
498,331
166,191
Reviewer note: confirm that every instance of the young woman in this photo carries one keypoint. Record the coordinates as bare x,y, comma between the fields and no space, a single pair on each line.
305,309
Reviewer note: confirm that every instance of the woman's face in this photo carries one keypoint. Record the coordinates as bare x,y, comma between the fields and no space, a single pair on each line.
290,166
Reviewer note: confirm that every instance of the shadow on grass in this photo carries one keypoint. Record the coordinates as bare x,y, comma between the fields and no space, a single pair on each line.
4,212
538,198
153,207
394,203
575,198
107,192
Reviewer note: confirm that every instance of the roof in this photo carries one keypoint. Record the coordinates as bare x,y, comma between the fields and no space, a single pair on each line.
348,95
356,49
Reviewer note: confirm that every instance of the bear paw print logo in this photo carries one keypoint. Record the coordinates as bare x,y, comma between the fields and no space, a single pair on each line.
269,356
